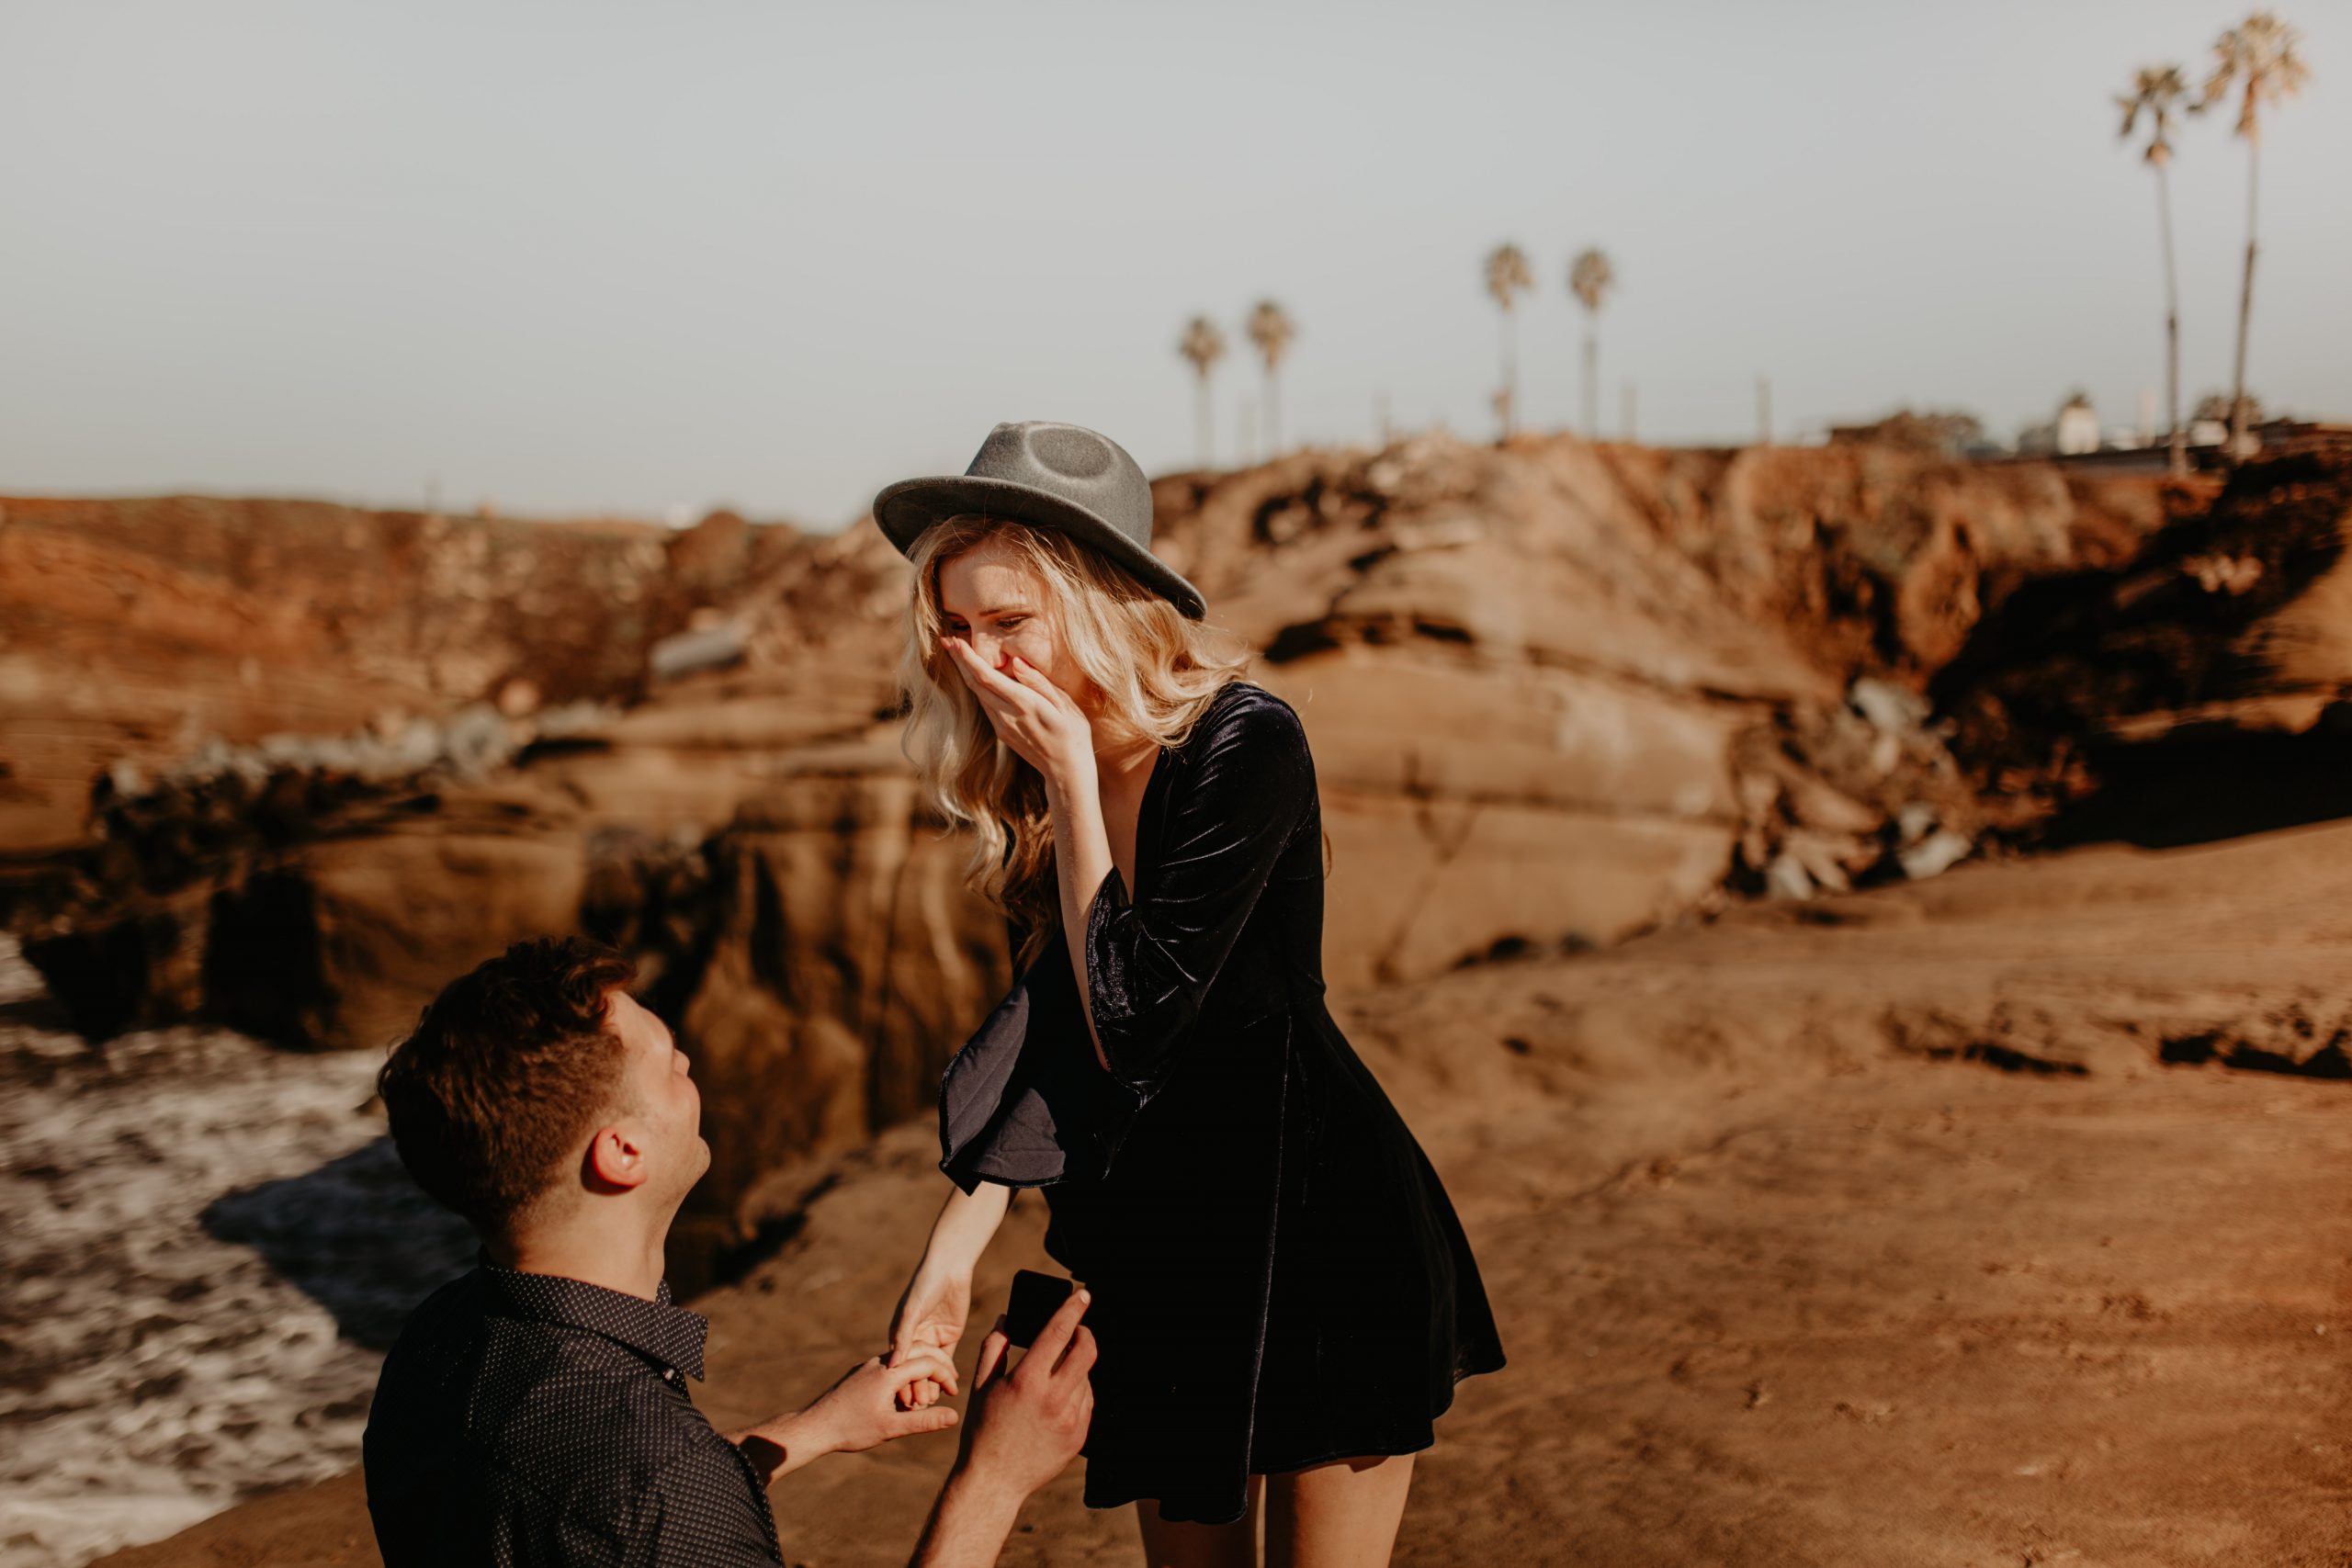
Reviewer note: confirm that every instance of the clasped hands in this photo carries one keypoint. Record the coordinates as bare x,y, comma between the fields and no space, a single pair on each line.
1028,1417
1029,1421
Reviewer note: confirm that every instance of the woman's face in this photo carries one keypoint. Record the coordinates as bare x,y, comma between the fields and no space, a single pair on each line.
991,599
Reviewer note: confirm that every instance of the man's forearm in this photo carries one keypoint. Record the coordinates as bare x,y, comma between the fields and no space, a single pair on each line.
969,1524
782,1444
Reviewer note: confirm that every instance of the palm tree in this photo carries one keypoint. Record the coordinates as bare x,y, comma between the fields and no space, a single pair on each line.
1508,277
2160,91
1202,346
1590,277
1271,329
2258,56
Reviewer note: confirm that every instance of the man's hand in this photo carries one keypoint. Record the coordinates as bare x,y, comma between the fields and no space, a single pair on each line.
861,1411
1028,1424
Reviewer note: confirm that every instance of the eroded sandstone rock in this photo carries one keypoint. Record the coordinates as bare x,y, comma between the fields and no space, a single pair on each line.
1558,695
2201,688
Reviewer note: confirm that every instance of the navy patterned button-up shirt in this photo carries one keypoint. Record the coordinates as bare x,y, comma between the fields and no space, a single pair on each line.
524,1419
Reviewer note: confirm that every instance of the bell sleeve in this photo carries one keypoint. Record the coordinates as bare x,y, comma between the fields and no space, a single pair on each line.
1246,788
1025,1103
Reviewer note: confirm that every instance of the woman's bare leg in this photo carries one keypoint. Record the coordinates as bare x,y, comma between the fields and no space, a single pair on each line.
1341,1514
1187,1545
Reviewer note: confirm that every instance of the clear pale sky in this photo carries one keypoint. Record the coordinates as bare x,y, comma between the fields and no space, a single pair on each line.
593,257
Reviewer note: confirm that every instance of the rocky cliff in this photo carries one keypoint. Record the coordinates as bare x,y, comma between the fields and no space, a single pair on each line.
1558,693
138,631
2200,689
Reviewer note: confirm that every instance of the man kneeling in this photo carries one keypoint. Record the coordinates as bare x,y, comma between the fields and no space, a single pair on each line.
535,1410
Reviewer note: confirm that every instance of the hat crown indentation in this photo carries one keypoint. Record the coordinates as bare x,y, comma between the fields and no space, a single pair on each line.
1071,452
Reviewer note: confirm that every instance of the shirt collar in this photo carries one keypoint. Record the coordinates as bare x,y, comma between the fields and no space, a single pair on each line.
659,1330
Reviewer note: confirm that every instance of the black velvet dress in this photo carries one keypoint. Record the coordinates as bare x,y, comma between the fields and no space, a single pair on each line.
1278,1276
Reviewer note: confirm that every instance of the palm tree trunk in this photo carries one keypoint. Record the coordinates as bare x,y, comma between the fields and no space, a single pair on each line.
2246,298
1273,417
1592,382
1510,399
1201,420
2176,439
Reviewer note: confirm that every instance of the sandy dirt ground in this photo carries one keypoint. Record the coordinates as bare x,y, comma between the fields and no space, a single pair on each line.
1932,1226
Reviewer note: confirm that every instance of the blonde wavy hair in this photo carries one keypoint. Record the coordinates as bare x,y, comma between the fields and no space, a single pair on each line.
1156,667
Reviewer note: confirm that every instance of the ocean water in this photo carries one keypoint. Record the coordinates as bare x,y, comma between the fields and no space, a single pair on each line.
206,1246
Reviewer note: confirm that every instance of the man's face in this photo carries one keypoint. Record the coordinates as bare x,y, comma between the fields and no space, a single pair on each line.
658,1097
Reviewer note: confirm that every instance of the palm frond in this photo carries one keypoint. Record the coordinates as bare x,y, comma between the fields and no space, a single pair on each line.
1270,328
1590,277
2258,58
1507,274
2157,91
1202,346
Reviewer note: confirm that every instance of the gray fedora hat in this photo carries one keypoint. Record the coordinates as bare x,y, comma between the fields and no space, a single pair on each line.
1058,476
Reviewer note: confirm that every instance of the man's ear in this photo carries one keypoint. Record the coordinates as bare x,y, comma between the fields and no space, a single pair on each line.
616,1161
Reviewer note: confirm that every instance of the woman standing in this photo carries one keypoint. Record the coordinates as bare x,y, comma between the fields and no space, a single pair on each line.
1282,1298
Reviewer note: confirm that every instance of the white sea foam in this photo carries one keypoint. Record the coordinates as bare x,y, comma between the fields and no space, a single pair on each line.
205,1244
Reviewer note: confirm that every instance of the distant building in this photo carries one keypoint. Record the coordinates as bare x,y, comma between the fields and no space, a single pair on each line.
2072,434
2075,436
2210,425
2077,427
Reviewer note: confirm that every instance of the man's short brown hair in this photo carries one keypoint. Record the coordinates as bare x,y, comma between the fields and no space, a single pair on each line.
509,1068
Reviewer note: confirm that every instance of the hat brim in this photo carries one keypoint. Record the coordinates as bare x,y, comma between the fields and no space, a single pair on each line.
904,510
